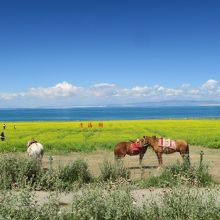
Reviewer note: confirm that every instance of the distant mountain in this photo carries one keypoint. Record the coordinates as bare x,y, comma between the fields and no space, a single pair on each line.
170,103
138,104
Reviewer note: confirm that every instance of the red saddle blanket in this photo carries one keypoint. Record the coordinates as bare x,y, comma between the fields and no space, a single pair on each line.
135,146
167,143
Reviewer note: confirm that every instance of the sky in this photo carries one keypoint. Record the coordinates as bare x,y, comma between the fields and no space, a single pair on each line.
57,53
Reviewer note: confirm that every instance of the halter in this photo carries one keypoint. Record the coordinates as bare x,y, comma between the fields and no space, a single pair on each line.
31,142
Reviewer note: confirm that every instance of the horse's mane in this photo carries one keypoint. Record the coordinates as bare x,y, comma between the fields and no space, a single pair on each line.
132,141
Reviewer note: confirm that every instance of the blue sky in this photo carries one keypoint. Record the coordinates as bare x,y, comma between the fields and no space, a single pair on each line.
88,52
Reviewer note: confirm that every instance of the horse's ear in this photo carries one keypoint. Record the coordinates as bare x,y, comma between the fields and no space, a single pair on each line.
144,137
154,137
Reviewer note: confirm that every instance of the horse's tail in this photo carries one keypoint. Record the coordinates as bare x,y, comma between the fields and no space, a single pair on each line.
115,153
42,153
119,150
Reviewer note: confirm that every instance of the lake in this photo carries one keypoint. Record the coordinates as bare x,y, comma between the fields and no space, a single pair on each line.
109,113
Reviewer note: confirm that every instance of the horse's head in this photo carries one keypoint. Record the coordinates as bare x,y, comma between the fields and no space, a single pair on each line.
143,142
29,143
149,141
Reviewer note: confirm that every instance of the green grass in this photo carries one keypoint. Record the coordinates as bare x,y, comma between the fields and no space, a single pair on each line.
68,136
179,174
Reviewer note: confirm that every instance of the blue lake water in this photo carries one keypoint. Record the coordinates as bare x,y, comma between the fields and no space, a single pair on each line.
109,113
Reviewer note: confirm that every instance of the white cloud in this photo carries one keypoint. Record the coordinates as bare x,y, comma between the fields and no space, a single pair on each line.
64,93
103,90
104,85
63,89
8,96
210,84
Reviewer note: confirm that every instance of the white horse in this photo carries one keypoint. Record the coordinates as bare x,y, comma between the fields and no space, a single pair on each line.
35,149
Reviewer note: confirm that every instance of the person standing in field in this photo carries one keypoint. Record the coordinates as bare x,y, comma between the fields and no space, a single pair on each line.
90,125
2,136
100,124
4,126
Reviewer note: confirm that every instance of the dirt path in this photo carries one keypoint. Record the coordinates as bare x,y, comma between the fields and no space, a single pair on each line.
140,196
95,159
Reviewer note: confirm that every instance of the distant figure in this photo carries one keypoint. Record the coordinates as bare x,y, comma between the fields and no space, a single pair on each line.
90,125
14,126
4,126
100,124
35,149
2,136
81,125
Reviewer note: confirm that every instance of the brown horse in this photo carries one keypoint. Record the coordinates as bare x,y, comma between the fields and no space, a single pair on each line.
128,147
181,146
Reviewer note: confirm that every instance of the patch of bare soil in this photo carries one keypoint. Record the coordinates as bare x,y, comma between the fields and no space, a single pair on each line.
140,196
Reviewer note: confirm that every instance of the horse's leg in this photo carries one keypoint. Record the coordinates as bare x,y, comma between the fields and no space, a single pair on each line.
185,156
160,159
140,163
118,158
140,159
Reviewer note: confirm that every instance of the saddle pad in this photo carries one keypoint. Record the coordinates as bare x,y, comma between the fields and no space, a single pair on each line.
167,143
135,146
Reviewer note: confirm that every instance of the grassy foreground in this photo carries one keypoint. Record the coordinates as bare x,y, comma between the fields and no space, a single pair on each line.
70,136
110,196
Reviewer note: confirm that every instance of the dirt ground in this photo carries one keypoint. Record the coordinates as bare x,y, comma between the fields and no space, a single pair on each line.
150,163
139,196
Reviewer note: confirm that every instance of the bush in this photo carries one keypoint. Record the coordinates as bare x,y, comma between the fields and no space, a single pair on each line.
76,171
23,206
24,172
180,174
183,203
48,180
18,172
110,171
98,204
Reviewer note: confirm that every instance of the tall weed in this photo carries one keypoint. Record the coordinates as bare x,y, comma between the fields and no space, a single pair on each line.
180,174
76,171
113,171
22,205
183,203
18,172
98,204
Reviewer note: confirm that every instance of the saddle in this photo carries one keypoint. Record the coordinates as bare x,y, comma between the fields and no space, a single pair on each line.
135,146
167,143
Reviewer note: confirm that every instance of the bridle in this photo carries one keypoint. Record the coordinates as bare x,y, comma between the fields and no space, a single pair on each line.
31,142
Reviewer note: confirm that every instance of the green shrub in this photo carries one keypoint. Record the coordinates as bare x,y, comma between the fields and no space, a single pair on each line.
203,178
113,171
76,171
178,174
22,205
98,204
24,172
121,205
18,172
183,203
48,180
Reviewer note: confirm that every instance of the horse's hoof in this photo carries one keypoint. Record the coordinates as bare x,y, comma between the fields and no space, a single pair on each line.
159,168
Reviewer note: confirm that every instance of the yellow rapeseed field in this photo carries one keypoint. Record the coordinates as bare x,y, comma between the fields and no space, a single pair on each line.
74,136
